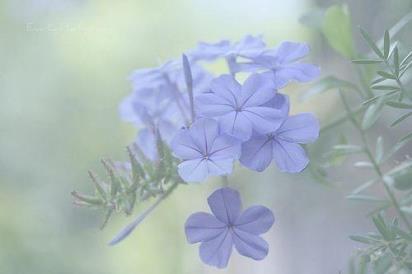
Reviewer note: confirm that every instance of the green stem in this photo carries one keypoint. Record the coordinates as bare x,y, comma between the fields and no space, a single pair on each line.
376,166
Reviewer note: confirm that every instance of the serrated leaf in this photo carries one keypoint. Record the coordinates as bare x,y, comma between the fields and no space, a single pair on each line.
400,119
372,114
338,30
386,44
366,61
371,43
379,149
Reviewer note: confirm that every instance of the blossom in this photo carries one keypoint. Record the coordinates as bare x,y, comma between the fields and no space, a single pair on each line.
282,145
204,151
240,109
249,46
229,226
283,64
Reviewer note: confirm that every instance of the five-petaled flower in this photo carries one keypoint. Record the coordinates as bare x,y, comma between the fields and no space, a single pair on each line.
282,145
204,151
283,64
229,226
240,110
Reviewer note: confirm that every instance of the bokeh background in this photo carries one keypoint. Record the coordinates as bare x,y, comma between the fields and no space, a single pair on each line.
63,70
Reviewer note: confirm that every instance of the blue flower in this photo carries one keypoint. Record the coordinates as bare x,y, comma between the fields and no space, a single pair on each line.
283,64
240,109
204,151
248,47
282,145
229,226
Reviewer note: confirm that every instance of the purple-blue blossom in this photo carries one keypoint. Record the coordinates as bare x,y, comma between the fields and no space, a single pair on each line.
228,227
204,151
240,109
282,145
283,64
248,47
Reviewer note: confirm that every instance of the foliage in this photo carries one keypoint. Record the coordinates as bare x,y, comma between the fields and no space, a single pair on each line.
388,249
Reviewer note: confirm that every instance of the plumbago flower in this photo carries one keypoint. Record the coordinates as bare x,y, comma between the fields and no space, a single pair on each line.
248,47
204,151
228,227
282,145
283,64
240,109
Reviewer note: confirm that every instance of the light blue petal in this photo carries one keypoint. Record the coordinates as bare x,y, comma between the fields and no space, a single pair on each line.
255,220
257,153
217,251
257,90
237,125
193,171
301,128
289,157
291,51
202,227
225,204
250,245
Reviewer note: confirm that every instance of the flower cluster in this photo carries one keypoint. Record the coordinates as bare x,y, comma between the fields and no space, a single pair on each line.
246,121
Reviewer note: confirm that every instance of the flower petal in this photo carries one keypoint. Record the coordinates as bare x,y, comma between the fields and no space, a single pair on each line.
298,72
218,167
227,88
202,227
225,147
193,171
225,204
146,141
290,51
237,125
264,119
280,102
289,157
204,132
257,153
250,245
210,105
217,251
302,128
255,220
257,90
184,147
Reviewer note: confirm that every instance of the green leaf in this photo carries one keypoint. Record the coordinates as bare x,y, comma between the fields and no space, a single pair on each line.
362,239
386,75
372,114
99,187
338,30
406,59
396,61
400,119
400,105
366,61
379,149
364,186
386,44
385,87
364,198
402,176
326,84
371,43
407,138
382,228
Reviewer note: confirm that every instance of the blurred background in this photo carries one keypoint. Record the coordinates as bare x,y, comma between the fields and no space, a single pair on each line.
63,70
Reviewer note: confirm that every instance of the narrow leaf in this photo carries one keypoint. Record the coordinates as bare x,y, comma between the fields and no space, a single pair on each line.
371,43
366,61
379,149
400,119
400,105
386,75
396,61
372,114
386,44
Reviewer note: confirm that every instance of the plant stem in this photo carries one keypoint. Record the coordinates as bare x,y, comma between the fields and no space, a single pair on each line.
130,227
376,166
